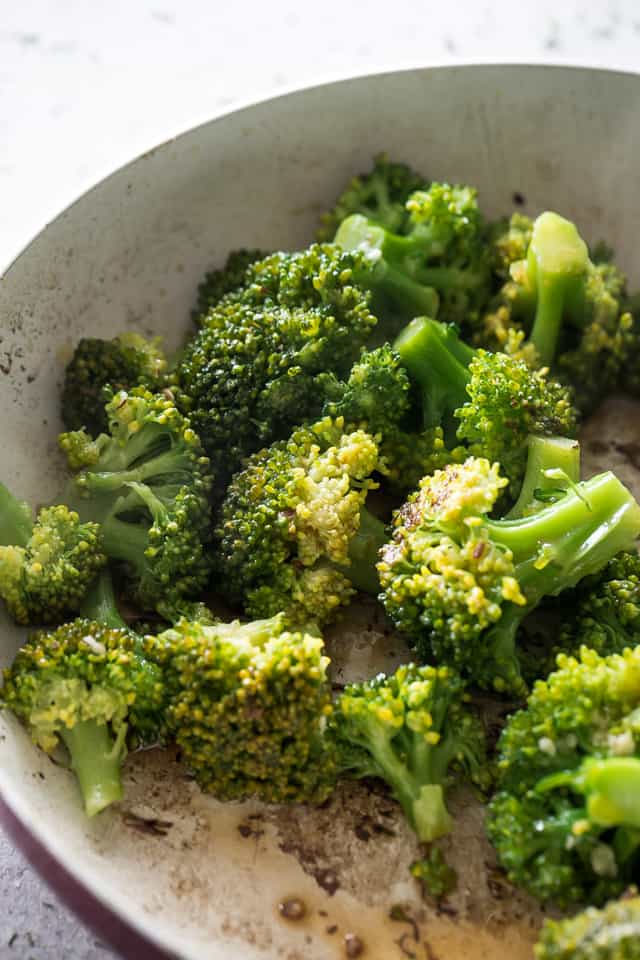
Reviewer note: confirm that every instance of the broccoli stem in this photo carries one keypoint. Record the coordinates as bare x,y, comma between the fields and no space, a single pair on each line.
556,454
438,361
127,542
363,553
408,292
100,605
166,463
612,788
557,263
16,522
96,759
554,549
558,546
423,803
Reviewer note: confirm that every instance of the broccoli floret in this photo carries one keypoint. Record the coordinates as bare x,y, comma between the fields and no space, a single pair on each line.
510,240
86,685
294,533
434,874
570,310
566,819
488,402
459,583
256,367
612,933
219,282
379,397
380,195
147,483
248,707
100,368
440,263
412,730
603,612
46,566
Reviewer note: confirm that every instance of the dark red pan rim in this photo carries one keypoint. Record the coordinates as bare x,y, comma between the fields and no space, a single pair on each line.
110,927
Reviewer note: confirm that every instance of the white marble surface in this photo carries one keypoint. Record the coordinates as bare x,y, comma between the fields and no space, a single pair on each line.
86,85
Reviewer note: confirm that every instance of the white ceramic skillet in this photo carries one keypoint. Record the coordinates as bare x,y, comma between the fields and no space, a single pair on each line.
171,872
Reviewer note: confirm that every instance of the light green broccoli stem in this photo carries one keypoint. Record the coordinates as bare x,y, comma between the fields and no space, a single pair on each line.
611,787
363,553
422,802
16,522
438,361
104,481
411,293
100,605
553,465
96,760
553,550
557,263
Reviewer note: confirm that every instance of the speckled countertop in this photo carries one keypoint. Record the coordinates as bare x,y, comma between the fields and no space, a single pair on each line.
86,85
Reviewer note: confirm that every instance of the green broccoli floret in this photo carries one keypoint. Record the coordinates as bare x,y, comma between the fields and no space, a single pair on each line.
612,933
509,240
603,611
434,874
569,309
46,566
378,397
147,483
459,583
219,282
441,262
488,402
566,819
412,730
380,195
100,368
87,685
256,367
294,533
248,707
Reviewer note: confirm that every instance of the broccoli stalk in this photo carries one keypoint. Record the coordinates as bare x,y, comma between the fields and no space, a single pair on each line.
556,268
611,787
489,402
460,583
410,729
553,464
46,565
438,361
96,759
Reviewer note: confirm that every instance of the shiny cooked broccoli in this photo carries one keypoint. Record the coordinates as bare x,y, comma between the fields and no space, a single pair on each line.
413,729
100,368
147,483
565,821
380,195
253,370
294,533
459,582
378,397
441,263
612,933
46,565
488,403
248,706
224,280
560,310
87,685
